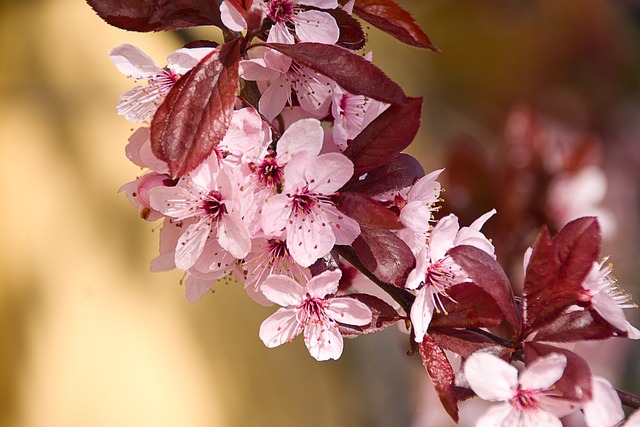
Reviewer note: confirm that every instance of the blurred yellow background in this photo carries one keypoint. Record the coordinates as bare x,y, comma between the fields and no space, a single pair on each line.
88,337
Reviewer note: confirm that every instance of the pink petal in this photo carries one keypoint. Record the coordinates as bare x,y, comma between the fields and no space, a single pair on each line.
443,236
136,141
231,18
275,98
273,59
275,214
426,189
543,372
234,236
169,235
416,216
323,341
610,311
633,420
176,202
133,62
316,26
605,408
256,70
313,91
323,284
349,311
421,313
183,60
280,327
417,275
191,244
309,238
304,135
328,172
500,415
195,287
345,229
139,104
490,377
321,4
282,290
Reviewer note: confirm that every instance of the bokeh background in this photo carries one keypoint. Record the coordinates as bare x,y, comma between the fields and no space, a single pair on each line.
88,337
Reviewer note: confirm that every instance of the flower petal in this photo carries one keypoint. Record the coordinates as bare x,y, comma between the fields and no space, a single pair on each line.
421,313
543,372
328,172
605,408
349,311
316,26
323,284
133,62
282,290
234,236
304,135
191,244
490,377
323,340
280,327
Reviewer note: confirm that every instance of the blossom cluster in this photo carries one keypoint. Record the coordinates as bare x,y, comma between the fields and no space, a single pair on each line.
276,159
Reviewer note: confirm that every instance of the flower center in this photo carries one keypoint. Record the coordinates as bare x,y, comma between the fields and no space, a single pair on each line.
269,173
524,400
312,310
281,10
303,203
213,205
277,250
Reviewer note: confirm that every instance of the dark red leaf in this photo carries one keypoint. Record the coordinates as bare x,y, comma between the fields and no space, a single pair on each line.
197,111
577,326
401,172
349,70
473,308
556,270
394,20
385,137
157,15
441,373
486,273
251,15
465,343
367,210
383,316
575,384
384,254
352,35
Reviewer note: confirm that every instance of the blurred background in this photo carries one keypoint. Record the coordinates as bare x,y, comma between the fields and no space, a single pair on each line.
533,106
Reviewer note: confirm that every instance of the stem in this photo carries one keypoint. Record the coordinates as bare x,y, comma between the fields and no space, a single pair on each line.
503,342
628,399
401,296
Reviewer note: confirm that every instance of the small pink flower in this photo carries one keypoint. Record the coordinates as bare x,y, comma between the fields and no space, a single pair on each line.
606,298
604,409
140,103
436,271
310,25
305,210
311,309
527,400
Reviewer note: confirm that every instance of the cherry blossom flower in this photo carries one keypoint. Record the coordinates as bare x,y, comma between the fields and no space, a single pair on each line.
527,400
606,298
436,271
604,409
633,420
310,25
311,309
141,102
304,208
208,195
312,89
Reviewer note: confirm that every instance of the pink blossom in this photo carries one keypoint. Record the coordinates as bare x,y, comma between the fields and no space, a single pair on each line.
208,195
527,400
604,409
311,309
436,271
141,102
312,89
233,20
310,25
305,210
606,298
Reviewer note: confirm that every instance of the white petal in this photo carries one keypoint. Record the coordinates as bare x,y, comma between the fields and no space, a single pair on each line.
304,135
321,4
191,244
499,416
234,236
280,327
349,311
140,103
323,284
604,409
633,420
543,372
309,237
231,18
323,341
256,70
417,275
327,173
421,313
316,26
416,215
183,60
133,62
490,377
426,189
443,236
282,290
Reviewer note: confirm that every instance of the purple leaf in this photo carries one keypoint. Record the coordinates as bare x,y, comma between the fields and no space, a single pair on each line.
196,113
465,343
486,273
401,172
157,15
352,36
349,70
388,16
441,373
577,326
384,254
575,384
367,210
556,270
385,137
473,308
383,316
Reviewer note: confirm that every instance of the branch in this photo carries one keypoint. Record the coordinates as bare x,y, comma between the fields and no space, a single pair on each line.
628,399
